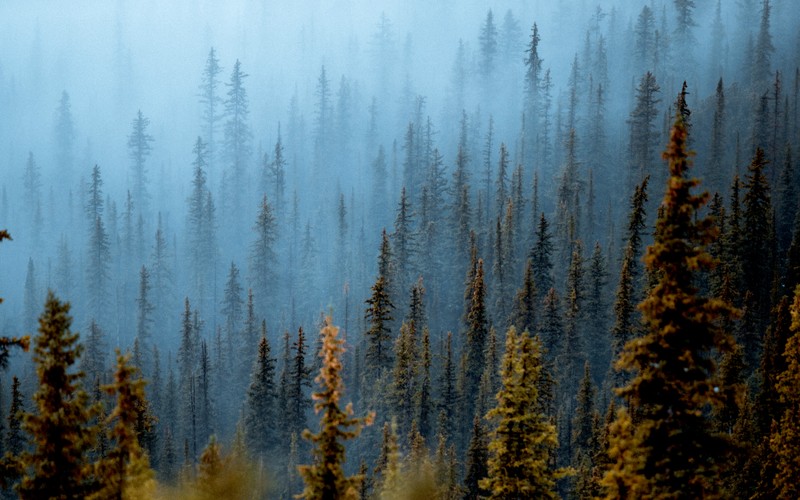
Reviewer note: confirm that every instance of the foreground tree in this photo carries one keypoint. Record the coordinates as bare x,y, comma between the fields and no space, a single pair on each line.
672,451
125,472
785,439
58,465
520,462
325,479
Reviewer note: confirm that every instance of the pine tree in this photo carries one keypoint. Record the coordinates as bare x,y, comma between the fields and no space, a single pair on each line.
541,255
210,101
757,255
65,137
404,377
475,346
299,379
262,257
643,135
144,319
523,313
424,396
237,136
644,47
378,314
261,408
232,304
58,465
139,148
785,441
763,49
125,472
326,478
97,271
15,440
488,45
477,457
672,450
519,460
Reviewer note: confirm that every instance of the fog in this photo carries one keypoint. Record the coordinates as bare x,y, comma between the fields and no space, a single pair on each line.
389,67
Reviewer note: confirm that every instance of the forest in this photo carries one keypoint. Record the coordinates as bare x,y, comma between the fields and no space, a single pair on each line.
398,250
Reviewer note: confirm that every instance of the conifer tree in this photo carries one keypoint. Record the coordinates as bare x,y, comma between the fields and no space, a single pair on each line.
232,304
139,148
57,466
756,247
15,439
326,478
672,450
519,452
65,137
299,379
763,49
541,255
378,314
475,345
477,456
210,102
404,377
144,311
125,471
785,441
424,396
237,136
262,257
260,412
448,397
643,134
523,312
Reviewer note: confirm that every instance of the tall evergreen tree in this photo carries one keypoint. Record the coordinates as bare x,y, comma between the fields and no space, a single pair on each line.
210,102
263,263
58,465
643,135
672,449
237,136
326,477
519,461
125,472
260,413
785,441
139,148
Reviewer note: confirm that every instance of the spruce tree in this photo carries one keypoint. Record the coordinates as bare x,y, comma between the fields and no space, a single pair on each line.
756,247
263,263
15,439
785,440
378,334
260,412
236,140
475,343
672,450
139,148
541,255
519,464
125,471
326,477
58,465
523,312
643,135
210,102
